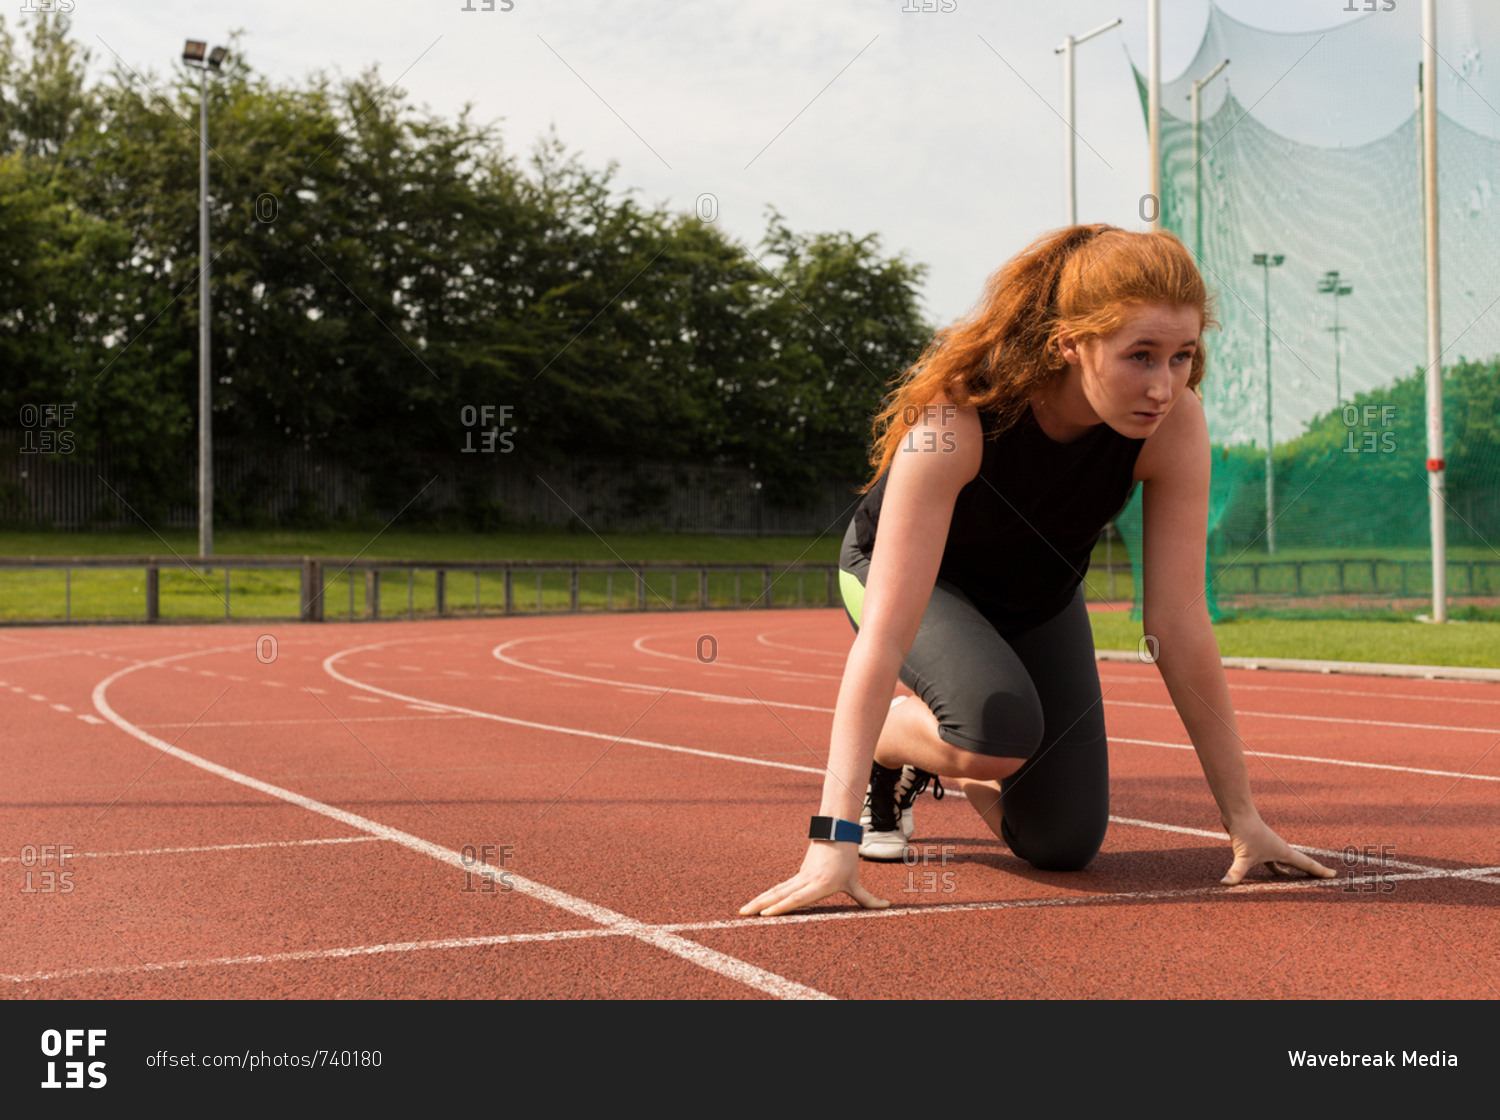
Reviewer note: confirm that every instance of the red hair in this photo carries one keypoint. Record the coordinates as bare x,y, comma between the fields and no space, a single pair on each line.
1082,280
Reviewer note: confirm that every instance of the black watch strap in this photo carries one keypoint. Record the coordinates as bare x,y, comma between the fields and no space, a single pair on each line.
833,828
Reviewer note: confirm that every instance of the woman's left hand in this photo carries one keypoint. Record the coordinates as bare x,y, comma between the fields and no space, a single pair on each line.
1254,843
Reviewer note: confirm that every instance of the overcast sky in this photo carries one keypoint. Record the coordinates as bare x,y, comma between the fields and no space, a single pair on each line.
939,131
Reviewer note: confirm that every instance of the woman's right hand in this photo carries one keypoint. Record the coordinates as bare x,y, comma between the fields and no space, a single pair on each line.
830,867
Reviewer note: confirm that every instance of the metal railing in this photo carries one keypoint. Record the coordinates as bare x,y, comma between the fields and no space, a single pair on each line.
360,589
154,588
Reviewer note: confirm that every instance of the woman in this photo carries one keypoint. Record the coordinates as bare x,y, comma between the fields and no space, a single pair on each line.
1019,433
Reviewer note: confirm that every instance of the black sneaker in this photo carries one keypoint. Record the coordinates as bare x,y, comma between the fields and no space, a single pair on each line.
885,819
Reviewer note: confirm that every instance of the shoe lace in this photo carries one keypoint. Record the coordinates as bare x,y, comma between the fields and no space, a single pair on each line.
919,784
882,800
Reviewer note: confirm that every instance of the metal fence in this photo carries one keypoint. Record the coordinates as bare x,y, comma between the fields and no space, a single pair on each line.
312,589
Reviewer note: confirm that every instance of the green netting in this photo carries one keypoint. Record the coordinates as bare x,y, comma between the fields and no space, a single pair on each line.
1310,149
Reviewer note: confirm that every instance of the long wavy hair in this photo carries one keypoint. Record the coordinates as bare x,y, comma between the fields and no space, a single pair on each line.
1080,280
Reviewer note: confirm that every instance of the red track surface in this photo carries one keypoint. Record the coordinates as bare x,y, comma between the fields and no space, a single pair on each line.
316,826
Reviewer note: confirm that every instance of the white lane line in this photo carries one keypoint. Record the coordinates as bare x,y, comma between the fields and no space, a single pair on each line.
765,641
61,708
91,719
322,954
499,655
721,963
213,848
270,722
1324,761
724,665
1422,869
39,656
720,698
572,731
1117,678
1024,903
799,918
1324,719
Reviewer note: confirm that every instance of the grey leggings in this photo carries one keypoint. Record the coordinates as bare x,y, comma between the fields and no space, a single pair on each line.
1031,694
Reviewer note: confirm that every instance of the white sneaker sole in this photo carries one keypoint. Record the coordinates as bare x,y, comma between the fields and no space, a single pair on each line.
908,825
886,847
883,847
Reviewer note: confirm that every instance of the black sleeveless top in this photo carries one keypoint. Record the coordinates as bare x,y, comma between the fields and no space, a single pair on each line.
1024,527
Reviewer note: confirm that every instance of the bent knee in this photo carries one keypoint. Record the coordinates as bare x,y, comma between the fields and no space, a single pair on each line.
1001,736
1057,849
1065,857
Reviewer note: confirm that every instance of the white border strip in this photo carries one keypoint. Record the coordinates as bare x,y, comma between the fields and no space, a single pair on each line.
210,848
1359,668
800,918
701,955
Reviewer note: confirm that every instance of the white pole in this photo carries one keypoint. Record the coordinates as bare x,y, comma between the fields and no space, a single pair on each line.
1196,98
1437,504
1270,444
1197,175
205,398
1153,102
1070,141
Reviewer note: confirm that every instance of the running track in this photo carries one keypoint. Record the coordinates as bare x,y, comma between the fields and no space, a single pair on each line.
576,807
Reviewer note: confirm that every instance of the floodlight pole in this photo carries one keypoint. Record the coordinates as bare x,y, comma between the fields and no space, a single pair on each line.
197,54
1070,138
205,384
1266,261
1331,283
1197,158
1153,102
1436,465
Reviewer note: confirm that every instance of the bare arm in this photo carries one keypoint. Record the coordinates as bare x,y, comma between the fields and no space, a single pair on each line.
940,455
934,463
1175,507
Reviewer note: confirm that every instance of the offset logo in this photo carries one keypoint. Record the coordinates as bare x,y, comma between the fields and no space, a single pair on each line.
66,1044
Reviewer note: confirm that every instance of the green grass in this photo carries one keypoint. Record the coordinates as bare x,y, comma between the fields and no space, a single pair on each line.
119,594
1475,644
110,595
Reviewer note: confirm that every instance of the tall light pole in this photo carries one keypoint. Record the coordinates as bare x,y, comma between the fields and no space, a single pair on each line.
1153,103
1070,140
1436,457
1330,283
193,55
1197,158
1267,262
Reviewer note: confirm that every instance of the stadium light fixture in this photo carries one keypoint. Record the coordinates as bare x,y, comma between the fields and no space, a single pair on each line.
1267,261
193,55
1330,283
